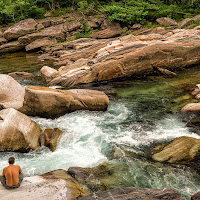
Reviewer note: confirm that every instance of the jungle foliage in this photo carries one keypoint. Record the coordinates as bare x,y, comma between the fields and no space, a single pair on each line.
124,11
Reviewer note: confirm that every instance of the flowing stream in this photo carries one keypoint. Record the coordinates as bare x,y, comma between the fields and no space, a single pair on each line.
141,114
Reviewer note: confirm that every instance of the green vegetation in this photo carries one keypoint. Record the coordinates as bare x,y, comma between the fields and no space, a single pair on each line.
126,12
86,31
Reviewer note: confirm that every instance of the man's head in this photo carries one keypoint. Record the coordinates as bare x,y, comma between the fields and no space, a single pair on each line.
11,160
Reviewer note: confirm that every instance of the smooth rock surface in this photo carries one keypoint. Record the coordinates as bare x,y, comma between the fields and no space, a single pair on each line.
17,131
11,92
132,193
129,56
191,107
22,28
181,150
51,103
55,185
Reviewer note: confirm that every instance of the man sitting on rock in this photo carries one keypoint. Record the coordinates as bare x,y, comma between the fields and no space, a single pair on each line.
12,175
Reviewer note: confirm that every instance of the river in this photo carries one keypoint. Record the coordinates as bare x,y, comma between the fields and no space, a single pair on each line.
141,113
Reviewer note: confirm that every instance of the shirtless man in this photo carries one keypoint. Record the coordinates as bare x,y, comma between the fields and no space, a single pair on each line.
12,175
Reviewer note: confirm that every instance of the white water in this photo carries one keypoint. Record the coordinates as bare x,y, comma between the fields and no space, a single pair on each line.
88,138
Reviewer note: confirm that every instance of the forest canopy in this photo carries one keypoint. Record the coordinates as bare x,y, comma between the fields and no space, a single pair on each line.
124,11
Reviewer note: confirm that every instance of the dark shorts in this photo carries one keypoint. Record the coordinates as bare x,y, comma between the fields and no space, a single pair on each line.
3,181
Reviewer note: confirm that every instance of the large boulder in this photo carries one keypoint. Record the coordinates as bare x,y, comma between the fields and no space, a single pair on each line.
17,131
22,28
54,185
132,193
47,102
181,150
11,92
131,56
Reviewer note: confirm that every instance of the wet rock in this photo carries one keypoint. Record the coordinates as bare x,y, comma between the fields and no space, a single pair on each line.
51,103
165,21
11,47
8,90
133,193
100,178
50,137
53,185
181,150
17,131
22,28
185,22
38,44
196,196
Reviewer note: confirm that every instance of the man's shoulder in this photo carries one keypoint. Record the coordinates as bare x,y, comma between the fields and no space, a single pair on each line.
5,168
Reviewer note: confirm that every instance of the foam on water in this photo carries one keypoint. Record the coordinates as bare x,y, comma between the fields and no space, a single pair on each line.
88,137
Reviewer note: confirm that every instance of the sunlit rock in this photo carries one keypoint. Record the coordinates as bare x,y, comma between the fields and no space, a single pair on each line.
47,72
126,56
182,150
55,185
17,131
11,92
191,107
50,103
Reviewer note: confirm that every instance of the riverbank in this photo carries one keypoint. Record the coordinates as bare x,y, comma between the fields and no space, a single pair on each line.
143,112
